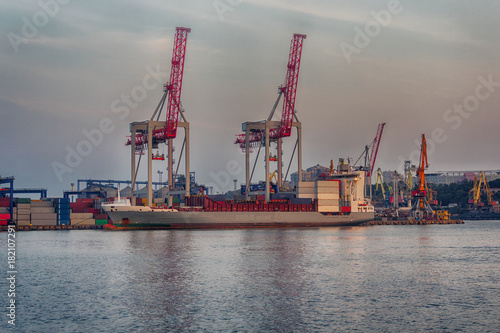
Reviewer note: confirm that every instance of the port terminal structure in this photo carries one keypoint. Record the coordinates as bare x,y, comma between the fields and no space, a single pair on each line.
263,133
265,127
147,135
41,191
84,184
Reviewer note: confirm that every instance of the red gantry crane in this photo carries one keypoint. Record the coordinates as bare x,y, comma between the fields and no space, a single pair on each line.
289,90
375,145
255,132
162,132
172,90
370,161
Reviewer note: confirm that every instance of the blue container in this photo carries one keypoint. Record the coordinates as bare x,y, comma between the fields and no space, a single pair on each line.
64,222
62,201
62,206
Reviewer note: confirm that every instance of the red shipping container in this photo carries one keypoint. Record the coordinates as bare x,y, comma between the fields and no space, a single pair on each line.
345,209
4,216
3,222
85,200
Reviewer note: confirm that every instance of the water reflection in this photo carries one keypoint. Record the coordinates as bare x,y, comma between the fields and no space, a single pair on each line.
274,278
160,278
378,279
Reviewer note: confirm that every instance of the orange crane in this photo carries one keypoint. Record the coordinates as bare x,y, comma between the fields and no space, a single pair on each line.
421,208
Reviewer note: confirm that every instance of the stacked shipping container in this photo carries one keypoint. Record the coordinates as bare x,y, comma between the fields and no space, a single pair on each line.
63,211
328,195
52,212
43,213
209,205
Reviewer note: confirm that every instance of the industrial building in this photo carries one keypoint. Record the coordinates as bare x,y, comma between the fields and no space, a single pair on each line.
449,177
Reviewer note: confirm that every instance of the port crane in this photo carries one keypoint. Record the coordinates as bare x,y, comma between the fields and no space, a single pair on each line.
421,208
262,133
148,134
386,194
371,150
480,186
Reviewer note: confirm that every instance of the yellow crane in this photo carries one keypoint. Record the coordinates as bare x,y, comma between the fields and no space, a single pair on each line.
382,181
431,194
480,184
273,176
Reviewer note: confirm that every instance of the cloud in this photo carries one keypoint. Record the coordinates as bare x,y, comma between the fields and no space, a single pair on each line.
65,79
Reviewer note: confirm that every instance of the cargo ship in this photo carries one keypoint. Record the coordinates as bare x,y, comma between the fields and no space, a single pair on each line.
334,200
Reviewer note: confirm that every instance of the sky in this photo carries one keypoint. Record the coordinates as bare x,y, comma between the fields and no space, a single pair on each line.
75,74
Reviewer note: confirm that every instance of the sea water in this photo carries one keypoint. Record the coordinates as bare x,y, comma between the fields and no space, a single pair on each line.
437,278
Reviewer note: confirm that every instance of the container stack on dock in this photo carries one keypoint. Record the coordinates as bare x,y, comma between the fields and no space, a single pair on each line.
43,213
63,211
101,219
56,213
4,210
23,211
82,219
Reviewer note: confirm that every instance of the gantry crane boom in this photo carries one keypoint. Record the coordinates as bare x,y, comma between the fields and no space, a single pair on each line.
175,84
290,88
173,89
289,91
376,144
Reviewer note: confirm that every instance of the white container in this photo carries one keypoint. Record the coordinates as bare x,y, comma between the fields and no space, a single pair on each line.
43,222
328,202
41,203
24,206
330,196
43,216
23,222
328,209
23,211
306,196
327,183
81,216
82,221
36,210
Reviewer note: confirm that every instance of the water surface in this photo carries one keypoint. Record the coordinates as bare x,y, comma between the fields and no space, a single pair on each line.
438,278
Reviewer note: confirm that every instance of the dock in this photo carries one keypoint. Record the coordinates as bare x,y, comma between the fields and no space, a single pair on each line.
411,222
51,227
